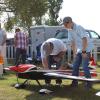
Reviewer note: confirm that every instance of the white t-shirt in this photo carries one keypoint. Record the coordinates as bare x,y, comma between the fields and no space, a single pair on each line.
77,34
58,46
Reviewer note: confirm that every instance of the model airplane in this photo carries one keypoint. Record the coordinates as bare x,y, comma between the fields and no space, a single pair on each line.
31,72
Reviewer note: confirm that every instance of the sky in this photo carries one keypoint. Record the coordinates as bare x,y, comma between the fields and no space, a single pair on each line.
83,12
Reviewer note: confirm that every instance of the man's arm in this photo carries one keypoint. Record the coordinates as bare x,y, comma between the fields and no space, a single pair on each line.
84,43
83,37
45,63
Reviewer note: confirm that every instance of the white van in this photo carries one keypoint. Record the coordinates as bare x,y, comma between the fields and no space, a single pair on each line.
41,33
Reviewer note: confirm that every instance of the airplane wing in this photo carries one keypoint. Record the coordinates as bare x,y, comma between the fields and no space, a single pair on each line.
79,78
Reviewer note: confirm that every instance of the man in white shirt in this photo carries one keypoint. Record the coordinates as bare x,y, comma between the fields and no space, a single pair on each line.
81,46
52,52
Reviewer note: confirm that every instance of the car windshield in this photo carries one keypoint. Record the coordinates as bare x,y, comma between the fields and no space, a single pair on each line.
62,34
94,35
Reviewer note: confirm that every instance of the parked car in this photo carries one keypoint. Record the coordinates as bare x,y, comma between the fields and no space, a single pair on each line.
63,35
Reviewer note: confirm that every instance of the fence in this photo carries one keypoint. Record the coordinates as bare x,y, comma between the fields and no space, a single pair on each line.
96,51
10,51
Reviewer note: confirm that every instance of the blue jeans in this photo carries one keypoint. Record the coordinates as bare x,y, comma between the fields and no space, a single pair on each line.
76,64
58,64
20,53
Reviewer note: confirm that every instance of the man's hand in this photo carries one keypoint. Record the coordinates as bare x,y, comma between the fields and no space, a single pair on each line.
56,58
45,63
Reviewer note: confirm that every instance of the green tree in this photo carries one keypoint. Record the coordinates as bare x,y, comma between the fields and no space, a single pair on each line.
27,11
54,8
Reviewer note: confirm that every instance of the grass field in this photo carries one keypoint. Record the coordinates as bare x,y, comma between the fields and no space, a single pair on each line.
65,92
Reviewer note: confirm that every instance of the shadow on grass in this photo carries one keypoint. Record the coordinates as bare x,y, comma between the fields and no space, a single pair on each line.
64,92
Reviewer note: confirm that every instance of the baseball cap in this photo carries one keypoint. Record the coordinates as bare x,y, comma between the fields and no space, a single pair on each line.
67,19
